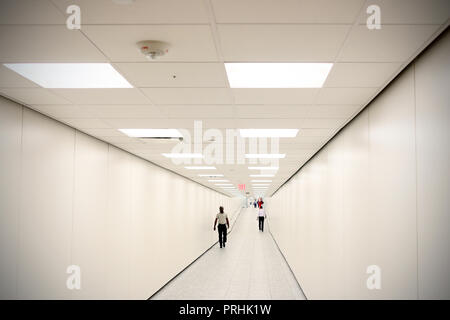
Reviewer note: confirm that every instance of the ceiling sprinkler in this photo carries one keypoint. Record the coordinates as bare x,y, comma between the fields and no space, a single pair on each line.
153,49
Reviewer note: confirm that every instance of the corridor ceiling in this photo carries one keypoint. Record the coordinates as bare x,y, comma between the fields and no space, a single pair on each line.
190,82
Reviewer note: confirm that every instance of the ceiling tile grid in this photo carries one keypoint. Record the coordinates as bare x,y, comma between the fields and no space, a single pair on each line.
190,82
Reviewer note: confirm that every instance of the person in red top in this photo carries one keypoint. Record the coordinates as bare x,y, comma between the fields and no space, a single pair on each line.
260,203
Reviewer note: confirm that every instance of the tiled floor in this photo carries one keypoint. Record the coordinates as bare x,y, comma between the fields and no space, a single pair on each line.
250,267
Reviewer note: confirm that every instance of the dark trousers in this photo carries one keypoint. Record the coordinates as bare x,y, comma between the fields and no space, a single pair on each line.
222,234
261,223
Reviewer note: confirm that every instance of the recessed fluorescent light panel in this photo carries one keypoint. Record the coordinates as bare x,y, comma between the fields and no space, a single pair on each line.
263,168
71,75
223,184
265,155
217,180
277,75
152,133
261,180
268,133
182,155
200,168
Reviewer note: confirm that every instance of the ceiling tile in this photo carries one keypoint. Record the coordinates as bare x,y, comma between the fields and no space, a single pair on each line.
391,43
187,42
33,96
188,95
174,74
103,96
289,43
121,111
272,111
11,79
274,96
333,111
411,11
323,123
61,111
353,96
199,112
286,11
30,12
85,123
139,11
46,44
358,75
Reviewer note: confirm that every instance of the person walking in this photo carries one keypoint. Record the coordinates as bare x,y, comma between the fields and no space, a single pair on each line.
222,227
260,203
261,216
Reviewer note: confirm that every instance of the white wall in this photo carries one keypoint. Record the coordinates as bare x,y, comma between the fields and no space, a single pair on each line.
67,198
377,194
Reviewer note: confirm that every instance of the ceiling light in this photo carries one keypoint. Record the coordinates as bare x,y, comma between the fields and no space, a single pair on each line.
265,155
152,133
268,133
260,184
277,75
200,168
71,75
223,184
217,180
261,180
263,168
212,175
182,155
261,175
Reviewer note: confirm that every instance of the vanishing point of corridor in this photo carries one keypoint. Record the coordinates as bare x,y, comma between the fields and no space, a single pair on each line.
250,267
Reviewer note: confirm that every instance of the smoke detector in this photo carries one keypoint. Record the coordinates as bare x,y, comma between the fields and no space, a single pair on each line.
153,49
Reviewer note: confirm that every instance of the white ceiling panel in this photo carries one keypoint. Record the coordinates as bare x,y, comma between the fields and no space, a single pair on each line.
46,44
358,96
139,12
85,123
323,123
33,96
120,111
332,111
199,112
286,11
174,74
11,79
276,42
103,96
30,12
360,74
188,95
187,42
272,111
411,11
391,43
61,111
274,96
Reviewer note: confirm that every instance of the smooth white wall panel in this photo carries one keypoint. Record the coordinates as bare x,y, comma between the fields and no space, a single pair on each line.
432,78
377,194
69,199
89,242
10,152
118,224
392,188
45,223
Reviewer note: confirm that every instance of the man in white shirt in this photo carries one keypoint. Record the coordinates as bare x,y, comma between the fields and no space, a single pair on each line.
261,216
223,223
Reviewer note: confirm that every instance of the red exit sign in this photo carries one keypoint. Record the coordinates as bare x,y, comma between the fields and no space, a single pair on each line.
241,186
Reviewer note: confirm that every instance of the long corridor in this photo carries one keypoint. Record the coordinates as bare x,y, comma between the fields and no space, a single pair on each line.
250,267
